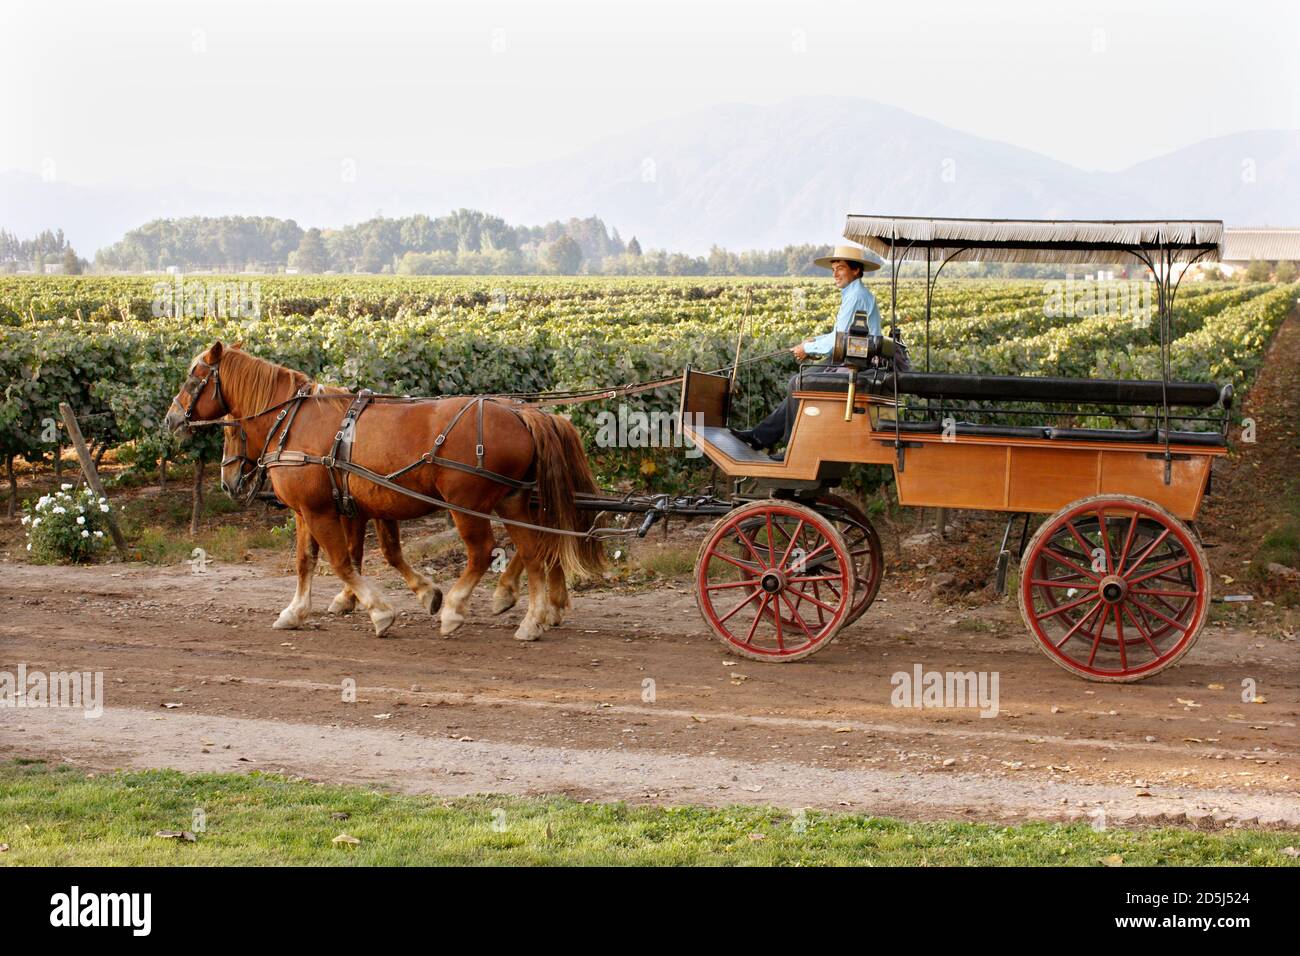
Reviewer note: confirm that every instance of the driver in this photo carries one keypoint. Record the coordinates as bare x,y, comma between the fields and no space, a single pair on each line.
848,264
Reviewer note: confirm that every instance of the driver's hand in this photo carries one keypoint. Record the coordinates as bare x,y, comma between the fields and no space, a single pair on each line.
799,352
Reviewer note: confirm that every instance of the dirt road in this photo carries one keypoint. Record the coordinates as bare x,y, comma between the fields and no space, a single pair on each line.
632,699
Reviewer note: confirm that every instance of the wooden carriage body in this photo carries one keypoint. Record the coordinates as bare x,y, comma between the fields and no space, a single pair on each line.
1031,469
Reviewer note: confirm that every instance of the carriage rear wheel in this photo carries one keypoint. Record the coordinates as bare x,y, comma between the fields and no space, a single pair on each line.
775,581
1115,588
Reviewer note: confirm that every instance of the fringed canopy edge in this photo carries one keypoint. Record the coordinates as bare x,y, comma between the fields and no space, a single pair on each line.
910,238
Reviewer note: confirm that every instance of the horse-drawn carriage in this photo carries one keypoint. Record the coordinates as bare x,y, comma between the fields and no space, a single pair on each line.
1114,584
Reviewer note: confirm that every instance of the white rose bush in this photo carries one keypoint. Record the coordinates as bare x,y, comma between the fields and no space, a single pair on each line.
66,526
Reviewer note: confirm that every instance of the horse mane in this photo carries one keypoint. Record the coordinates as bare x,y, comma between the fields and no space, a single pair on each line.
260,381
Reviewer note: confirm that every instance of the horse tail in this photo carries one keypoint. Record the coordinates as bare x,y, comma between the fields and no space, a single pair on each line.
562,471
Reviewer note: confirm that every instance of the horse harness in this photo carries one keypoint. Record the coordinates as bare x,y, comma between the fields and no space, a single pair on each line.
338,460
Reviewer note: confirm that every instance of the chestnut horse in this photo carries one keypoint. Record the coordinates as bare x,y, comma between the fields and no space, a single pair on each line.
519,444
239,468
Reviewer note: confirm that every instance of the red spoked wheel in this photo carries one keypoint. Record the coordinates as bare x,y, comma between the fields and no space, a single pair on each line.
775,581
1115,588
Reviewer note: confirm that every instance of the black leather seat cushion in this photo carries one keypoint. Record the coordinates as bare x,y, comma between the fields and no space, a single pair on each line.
1031,388
1102,434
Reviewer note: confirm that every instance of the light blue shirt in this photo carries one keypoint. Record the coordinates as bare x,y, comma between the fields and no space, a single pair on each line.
854,297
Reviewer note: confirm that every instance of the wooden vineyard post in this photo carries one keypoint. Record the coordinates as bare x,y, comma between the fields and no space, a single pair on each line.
92,475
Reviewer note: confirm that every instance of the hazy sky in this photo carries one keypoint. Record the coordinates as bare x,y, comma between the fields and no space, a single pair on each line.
135,92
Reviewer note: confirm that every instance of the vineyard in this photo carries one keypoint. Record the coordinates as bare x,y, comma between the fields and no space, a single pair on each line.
116,348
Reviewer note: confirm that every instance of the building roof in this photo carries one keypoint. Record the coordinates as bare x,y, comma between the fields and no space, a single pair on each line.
1243,245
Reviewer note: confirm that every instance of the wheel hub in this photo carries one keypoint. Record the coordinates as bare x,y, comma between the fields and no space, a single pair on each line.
773,581
1112,588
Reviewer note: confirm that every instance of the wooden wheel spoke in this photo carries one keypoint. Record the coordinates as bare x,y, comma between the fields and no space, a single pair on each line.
1061,608
728,616
752,582
749,638
1164,533
1104,533
1078,624
1128,541
1166,619
1074,532
1165,570
1058,582
1146,636
1119,634
1060,559
750,545
1184,594
826,607
798,618
743,565
790,547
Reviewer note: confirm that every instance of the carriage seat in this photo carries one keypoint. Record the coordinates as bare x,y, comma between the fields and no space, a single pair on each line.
1033,388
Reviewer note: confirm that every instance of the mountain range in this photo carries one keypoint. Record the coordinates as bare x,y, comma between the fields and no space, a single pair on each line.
739,176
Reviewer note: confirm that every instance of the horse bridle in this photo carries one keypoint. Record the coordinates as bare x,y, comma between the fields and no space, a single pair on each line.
195,386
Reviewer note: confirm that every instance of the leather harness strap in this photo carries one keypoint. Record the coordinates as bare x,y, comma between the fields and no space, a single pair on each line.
338,461
341,451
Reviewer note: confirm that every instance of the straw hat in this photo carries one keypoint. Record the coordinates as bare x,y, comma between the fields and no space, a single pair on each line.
869,261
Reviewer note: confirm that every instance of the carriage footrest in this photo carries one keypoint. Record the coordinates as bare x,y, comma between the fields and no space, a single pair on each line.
731,446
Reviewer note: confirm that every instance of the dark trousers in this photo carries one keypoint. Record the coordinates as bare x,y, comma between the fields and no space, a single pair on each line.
778,425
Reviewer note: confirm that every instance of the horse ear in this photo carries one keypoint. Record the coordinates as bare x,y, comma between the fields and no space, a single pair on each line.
214,353
238,345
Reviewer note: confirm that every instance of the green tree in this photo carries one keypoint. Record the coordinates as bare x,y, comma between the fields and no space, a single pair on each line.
563,256
71,264
1259,270
372,257
1286,271
310,256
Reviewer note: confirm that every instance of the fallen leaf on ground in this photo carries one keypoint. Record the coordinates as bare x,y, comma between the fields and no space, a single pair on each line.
345,838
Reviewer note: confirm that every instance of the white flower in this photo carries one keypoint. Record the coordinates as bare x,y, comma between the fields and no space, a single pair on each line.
42,501
103,502
29,547
81,519
60,511
27,519
85,534
99,534
36,522
104,508
66,487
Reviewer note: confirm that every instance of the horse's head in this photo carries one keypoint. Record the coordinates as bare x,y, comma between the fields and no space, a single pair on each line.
200,397
238,467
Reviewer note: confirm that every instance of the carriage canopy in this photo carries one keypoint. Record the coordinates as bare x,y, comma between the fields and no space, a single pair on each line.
913,238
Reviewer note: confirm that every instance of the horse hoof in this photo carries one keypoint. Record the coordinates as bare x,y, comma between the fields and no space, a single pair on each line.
432,600
287,621
382,620
343,605
528,632
450,621
503,601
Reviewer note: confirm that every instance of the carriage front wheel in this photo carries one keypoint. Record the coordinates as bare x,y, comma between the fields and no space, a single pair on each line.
775,580
1114,588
